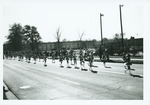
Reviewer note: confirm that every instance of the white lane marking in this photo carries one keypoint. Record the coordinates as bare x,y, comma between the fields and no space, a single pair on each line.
53,76
112,72
72,81
141,75
25,87
67,80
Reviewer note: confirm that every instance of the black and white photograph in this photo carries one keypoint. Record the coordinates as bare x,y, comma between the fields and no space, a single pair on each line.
74,51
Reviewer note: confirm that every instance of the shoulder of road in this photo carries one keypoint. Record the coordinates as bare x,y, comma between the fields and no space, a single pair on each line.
119,60
7,94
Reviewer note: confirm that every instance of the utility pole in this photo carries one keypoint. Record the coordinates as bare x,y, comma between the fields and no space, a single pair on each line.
121,27
101,28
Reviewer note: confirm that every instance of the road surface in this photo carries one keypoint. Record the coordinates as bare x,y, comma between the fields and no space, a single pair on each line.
28,81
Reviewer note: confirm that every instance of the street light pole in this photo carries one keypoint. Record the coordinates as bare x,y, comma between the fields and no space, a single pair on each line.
121,27
101,28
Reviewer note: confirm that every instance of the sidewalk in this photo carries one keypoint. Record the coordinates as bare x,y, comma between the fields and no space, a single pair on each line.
8,94
119,60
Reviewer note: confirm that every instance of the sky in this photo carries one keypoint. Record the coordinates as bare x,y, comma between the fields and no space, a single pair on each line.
75,17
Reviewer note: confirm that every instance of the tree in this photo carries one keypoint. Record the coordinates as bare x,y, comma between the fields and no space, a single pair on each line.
32,37
94,42
64,40
105,41
58,35
117,36
80,37
111,50
15,37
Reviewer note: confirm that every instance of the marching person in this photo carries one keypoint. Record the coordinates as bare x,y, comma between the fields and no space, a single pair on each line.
22,56
39,56
53,56
19,56
29,57
61,59
34,57
91,58
26,56
71,56
75,60
82,62
45,58
67,59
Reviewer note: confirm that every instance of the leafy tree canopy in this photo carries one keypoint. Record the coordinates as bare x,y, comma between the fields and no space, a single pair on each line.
15,37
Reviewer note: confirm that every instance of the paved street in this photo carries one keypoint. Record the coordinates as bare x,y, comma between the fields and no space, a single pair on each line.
36,82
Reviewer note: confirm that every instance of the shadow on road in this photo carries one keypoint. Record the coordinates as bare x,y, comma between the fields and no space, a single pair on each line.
134,75
107,67
94,66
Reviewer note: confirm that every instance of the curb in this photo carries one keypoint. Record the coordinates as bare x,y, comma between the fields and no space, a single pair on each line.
7,94
120,61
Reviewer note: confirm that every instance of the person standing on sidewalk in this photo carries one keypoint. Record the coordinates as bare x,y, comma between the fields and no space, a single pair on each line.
104,59
128,63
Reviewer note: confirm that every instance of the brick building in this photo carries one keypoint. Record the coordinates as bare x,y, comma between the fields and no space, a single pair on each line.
132,45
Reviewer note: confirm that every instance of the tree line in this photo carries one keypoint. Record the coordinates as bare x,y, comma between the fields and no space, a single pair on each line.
22,38
27,38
